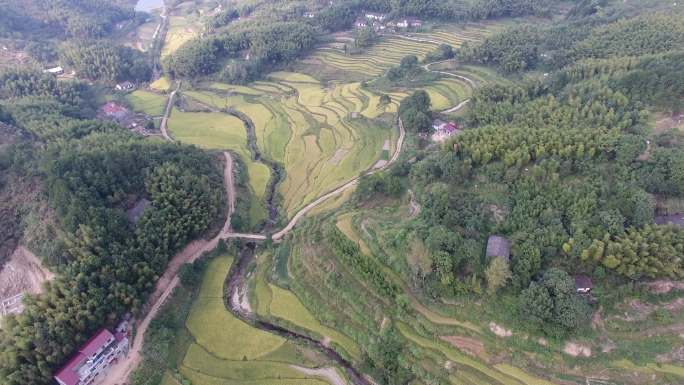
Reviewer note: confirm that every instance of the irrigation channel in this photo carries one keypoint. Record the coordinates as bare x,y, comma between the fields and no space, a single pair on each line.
277,171
234,283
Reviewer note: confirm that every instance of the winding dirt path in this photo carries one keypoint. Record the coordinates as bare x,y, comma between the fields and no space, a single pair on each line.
468,80
457,107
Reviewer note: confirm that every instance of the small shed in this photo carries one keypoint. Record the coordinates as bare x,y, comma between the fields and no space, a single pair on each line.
583,284
54,70
125,86
674,219
498,246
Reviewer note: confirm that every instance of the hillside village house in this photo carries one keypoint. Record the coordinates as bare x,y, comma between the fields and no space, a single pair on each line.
498,246
54,71
674,219
583,284
376,16
409,23
94,358
361,23
444,130
125,86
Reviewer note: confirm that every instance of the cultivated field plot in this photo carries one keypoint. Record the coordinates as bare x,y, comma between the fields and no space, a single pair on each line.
162,84
181,29
143,36
448,92
323,136
285,305
228,351
148,102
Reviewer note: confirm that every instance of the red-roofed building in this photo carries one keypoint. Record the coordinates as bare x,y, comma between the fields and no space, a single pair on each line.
444,130
94,358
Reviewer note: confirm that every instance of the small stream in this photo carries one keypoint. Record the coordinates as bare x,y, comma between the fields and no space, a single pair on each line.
236,281
276,169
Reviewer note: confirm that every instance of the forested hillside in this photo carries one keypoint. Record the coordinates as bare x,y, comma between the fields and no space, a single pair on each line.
89,173
241,47
565,160
72,18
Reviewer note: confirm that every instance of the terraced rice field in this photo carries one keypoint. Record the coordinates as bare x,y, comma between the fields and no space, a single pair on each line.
322,136
376,60
228,351
389,51
448,92
471,370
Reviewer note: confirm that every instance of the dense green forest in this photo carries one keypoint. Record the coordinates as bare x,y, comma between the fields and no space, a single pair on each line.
90,173
77,34
72,18
599,36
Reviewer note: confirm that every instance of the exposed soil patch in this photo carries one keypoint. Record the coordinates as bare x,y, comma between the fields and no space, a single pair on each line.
338,156
414,206
498,213
639,311
597,322
23,273
664,286
469,345
669,122
326,341
500,331
576,349
676,355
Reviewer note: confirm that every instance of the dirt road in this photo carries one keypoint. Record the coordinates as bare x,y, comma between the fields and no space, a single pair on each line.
457,107
230,190
167,113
